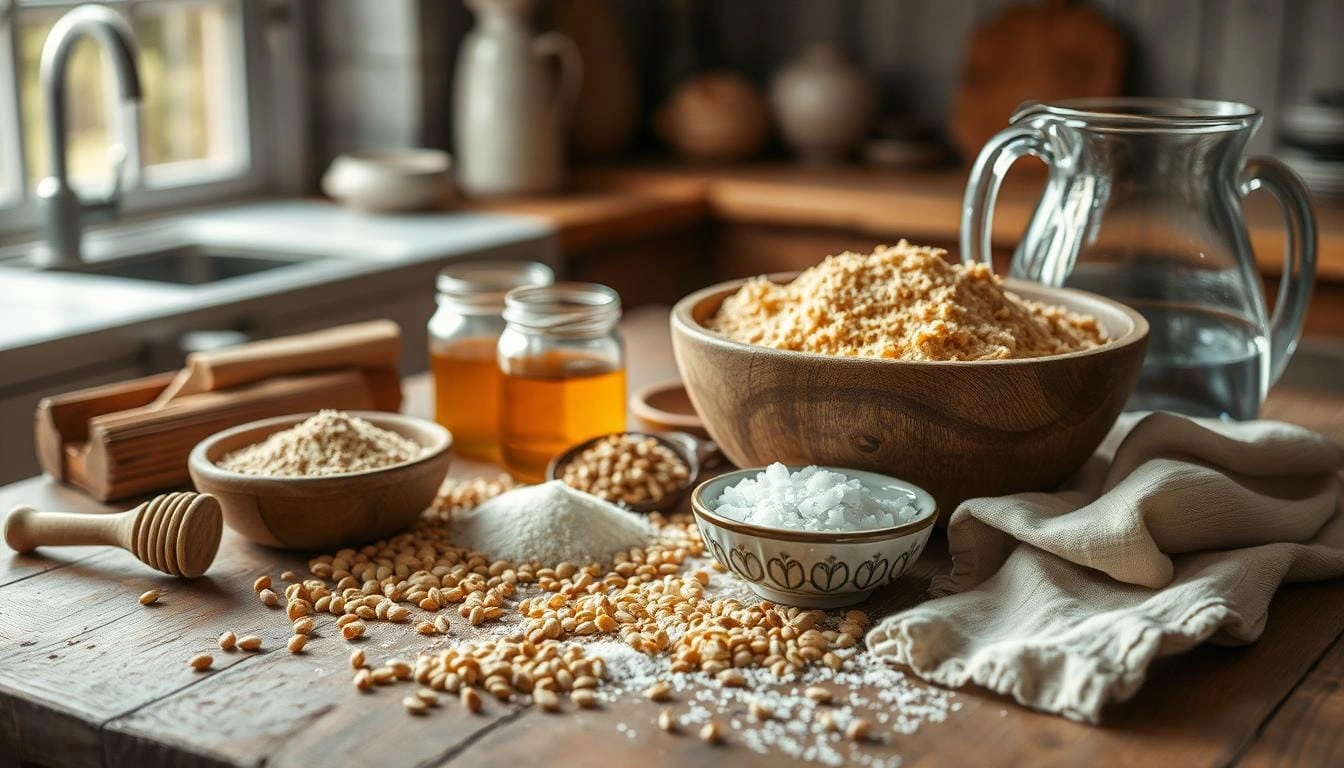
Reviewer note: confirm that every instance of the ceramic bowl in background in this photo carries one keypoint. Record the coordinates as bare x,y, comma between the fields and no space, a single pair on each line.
323,513
390,180
958,429
813,569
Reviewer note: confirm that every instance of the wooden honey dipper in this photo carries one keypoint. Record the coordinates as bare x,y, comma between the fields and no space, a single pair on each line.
177,533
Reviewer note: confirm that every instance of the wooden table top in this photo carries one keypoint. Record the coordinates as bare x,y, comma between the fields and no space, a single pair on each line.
90,677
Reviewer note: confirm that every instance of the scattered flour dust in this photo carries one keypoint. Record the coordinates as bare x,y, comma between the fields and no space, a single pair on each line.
535,523
550,523
898,705
329,443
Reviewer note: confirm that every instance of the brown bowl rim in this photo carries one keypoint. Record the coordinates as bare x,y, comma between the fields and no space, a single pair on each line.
683,320
699,509
200,462
639,404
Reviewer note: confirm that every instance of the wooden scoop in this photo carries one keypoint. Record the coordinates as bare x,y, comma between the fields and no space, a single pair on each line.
177,533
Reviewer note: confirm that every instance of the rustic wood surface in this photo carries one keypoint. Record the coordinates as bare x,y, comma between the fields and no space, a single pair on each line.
90,677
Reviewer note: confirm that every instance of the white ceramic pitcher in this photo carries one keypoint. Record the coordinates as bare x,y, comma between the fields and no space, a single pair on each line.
509,108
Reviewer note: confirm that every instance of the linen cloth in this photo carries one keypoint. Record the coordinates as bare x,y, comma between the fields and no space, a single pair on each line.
1176,531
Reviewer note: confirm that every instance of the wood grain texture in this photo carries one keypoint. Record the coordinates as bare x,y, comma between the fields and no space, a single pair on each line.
90,677
1200,709
1305,729
87,651
1044,52
958,430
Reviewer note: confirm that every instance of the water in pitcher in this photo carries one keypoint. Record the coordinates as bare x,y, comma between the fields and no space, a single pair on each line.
1205,363
1143,204
1201,361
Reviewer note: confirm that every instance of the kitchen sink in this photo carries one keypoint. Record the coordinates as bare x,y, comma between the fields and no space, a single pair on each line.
188,265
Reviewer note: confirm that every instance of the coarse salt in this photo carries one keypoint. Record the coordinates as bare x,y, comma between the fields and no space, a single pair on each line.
811,499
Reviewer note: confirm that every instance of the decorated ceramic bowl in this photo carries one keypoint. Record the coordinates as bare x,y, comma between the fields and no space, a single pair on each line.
809,568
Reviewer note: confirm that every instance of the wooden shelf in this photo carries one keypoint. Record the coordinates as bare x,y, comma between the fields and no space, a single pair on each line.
616,205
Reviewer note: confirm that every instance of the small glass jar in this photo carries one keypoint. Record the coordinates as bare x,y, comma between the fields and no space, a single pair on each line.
563,368
462,336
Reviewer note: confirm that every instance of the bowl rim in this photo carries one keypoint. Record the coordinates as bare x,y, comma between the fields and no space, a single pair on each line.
199,462
701,510
403,162
643,409
684,321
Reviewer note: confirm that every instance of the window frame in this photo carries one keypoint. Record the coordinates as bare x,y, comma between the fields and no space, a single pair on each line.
266,32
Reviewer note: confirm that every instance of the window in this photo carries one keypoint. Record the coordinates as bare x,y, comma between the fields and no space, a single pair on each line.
205,70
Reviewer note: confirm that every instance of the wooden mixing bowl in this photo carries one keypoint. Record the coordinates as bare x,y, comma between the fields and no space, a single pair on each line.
323,512
958,429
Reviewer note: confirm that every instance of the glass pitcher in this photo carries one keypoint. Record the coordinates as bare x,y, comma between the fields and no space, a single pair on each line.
1143,204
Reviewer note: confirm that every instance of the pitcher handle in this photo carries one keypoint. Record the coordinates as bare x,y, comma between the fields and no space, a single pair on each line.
571,70
982,190
1299,267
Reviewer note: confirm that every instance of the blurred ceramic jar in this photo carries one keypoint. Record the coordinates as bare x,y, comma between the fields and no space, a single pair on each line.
715,117
509,110
824,105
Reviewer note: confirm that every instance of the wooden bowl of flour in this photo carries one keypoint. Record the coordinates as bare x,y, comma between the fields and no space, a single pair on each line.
328,512
958,429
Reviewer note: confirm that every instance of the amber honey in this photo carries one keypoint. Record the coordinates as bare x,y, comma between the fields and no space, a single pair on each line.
553,400
466,395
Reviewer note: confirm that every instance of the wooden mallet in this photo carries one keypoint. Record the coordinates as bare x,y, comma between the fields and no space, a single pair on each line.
177,533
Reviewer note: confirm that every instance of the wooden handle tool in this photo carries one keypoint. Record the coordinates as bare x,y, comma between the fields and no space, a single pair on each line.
176,533
374,344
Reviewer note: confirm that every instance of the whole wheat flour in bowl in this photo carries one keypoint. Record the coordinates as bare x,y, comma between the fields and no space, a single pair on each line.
328,443
904,302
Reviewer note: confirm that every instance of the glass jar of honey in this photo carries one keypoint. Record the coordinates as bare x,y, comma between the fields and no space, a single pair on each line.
563,367
462,337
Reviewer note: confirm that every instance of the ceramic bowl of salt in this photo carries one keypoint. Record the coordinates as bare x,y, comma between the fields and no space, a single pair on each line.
815,537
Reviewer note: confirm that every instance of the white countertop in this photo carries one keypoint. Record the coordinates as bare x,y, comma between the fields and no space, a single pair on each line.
37,307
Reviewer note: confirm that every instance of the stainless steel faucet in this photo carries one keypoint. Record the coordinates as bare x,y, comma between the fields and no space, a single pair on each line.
62,212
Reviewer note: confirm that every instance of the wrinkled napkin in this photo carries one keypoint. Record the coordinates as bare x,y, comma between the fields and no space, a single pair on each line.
1176,531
